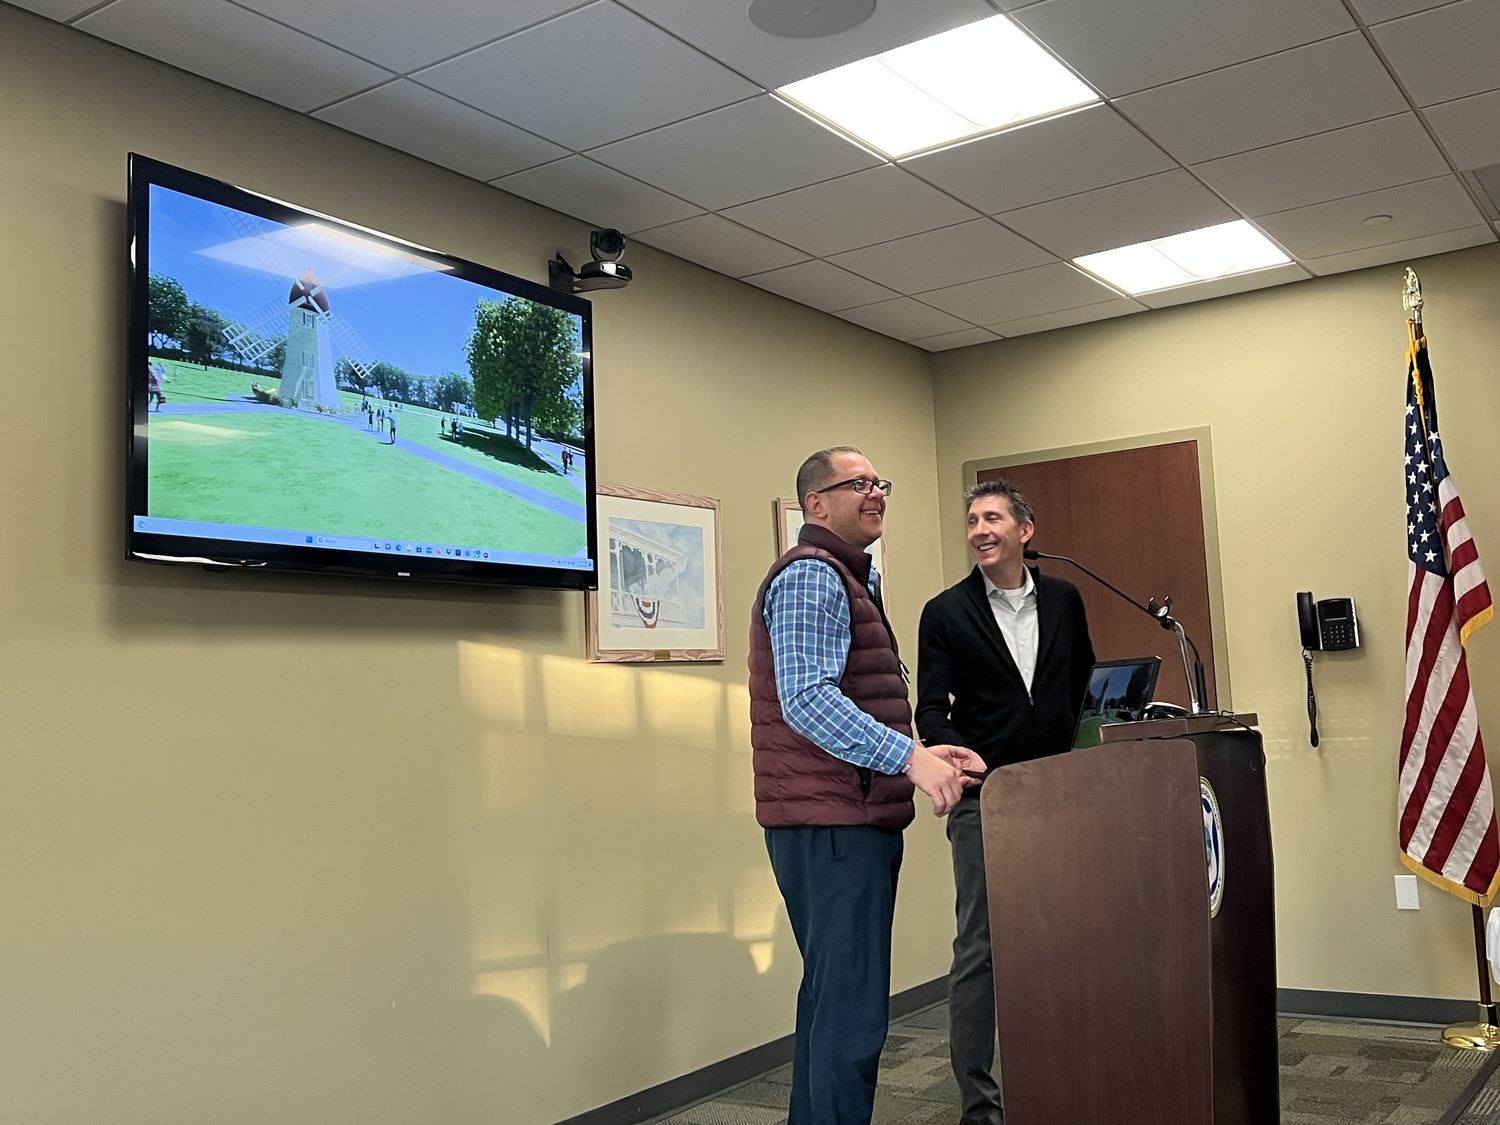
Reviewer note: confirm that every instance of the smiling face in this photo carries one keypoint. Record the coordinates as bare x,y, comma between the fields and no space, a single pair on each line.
856,518
996,540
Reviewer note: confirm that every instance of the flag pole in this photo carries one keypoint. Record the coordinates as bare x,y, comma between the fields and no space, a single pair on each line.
1485,1034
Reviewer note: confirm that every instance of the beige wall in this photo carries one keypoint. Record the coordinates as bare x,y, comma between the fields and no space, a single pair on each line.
453,873
312,850
1303,389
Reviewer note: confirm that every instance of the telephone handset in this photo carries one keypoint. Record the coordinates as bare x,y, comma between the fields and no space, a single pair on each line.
1329,625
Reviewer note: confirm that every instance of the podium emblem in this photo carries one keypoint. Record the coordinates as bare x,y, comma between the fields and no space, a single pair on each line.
1213,842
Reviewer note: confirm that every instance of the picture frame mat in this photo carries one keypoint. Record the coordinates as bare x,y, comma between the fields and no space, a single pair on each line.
608,643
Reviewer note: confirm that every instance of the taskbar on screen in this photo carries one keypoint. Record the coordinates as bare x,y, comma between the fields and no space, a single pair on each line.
194,529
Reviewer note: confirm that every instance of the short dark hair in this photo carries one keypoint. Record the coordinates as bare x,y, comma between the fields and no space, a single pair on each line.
818,468
1020,507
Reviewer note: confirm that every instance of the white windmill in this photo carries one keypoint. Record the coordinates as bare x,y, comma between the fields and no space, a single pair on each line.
315,337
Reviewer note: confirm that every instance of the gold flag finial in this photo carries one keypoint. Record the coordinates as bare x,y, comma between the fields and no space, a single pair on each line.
1411,296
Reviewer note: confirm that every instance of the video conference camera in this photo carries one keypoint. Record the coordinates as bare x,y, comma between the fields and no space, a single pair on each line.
606,271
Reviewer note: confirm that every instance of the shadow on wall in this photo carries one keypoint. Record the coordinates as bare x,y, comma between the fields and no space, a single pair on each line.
625,1014
620,895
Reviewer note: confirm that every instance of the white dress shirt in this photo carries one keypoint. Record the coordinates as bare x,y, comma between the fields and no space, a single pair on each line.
1015,613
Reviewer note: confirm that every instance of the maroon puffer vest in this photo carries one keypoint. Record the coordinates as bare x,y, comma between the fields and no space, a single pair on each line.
796,782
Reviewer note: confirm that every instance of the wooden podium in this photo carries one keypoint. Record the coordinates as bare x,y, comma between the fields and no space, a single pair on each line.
1119,997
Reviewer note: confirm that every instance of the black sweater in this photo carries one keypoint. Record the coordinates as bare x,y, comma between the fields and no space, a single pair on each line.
969,690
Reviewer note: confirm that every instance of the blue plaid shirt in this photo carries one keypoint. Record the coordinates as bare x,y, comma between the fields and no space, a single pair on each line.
807,612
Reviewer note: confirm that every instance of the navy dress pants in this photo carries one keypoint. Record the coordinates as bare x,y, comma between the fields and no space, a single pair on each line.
840,890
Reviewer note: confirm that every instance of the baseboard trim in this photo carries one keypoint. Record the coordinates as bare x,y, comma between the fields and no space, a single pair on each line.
679,1094
1373,1006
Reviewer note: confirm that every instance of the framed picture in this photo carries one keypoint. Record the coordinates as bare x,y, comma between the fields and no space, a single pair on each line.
789,522
661,581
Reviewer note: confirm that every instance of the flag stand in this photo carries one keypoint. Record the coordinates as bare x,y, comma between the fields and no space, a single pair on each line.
1485,1034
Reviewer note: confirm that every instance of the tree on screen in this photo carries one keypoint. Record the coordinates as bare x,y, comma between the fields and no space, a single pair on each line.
167,309
453,390
523,358
205,338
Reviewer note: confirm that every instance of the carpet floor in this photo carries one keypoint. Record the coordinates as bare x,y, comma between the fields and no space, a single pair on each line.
1332,1073
1485,1108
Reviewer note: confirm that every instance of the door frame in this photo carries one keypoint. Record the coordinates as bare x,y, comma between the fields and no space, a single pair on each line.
1202,436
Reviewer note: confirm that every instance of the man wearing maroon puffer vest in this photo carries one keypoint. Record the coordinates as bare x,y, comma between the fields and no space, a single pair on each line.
835,766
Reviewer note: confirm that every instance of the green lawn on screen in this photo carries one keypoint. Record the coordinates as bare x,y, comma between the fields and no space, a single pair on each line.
300,472
193,383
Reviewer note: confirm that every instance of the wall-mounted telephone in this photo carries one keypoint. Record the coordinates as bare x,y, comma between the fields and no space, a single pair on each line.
1329,625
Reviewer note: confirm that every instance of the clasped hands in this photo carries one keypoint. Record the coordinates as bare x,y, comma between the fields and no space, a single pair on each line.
943,773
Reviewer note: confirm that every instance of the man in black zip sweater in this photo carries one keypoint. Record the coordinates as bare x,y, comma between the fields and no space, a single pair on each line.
1003,662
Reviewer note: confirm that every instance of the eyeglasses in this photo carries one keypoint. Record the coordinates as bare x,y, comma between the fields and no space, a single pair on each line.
860,485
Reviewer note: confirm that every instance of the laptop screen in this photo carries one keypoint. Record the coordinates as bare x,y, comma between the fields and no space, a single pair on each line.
1118,692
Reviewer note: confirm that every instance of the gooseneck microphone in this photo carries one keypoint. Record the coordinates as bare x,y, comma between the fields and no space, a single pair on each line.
1192,670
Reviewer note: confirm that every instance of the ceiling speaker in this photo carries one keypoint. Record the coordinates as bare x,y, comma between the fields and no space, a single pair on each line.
809,19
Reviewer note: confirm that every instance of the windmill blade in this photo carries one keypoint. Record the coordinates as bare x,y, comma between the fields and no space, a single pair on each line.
350,345
270,318
256,233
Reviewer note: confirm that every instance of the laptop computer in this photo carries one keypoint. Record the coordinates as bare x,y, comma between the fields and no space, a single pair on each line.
1118,692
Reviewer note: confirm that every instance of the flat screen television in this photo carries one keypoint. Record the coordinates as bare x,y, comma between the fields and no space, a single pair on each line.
307,394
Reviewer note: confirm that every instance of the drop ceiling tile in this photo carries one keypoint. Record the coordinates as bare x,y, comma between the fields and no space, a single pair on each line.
904,318
60,10
405,36
1015,296
1378,11
1488,182
725,32
822,285
1467,129
1401,252
949,256
947,341
236,47
589,77
872,206
1065,155
1121,47
577,186
1151,207
1278,98
1084,314
417,120
722,158
1445,53
1224,286
1359,158
720,245
1425,208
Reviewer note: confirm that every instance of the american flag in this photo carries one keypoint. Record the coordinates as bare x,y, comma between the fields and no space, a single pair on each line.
1447,812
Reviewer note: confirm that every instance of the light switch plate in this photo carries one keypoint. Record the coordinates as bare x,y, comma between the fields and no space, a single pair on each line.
1406,893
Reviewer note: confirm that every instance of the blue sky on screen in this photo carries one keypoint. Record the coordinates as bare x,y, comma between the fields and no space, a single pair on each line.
408,314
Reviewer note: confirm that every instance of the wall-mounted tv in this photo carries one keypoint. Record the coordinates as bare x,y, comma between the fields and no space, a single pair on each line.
307,394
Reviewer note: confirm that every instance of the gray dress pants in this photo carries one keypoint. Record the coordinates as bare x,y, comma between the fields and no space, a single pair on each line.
971,982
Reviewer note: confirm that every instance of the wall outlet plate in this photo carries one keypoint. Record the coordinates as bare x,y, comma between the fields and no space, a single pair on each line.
1406,893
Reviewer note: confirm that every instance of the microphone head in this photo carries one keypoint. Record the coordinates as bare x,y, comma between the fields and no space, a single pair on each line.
1030,553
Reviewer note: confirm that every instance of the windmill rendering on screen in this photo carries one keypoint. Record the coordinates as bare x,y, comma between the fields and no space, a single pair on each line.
315,336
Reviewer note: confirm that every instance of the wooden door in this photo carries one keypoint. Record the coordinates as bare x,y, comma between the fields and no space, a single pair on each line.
1135,517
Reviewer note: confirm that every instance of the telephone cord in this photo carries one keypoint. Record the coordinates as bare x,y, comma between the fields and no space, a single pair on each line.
1312,700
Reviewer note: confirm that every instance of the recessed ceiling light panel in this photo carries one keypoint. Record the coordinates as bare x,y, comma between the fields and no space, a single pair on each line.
1183,259
953,86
